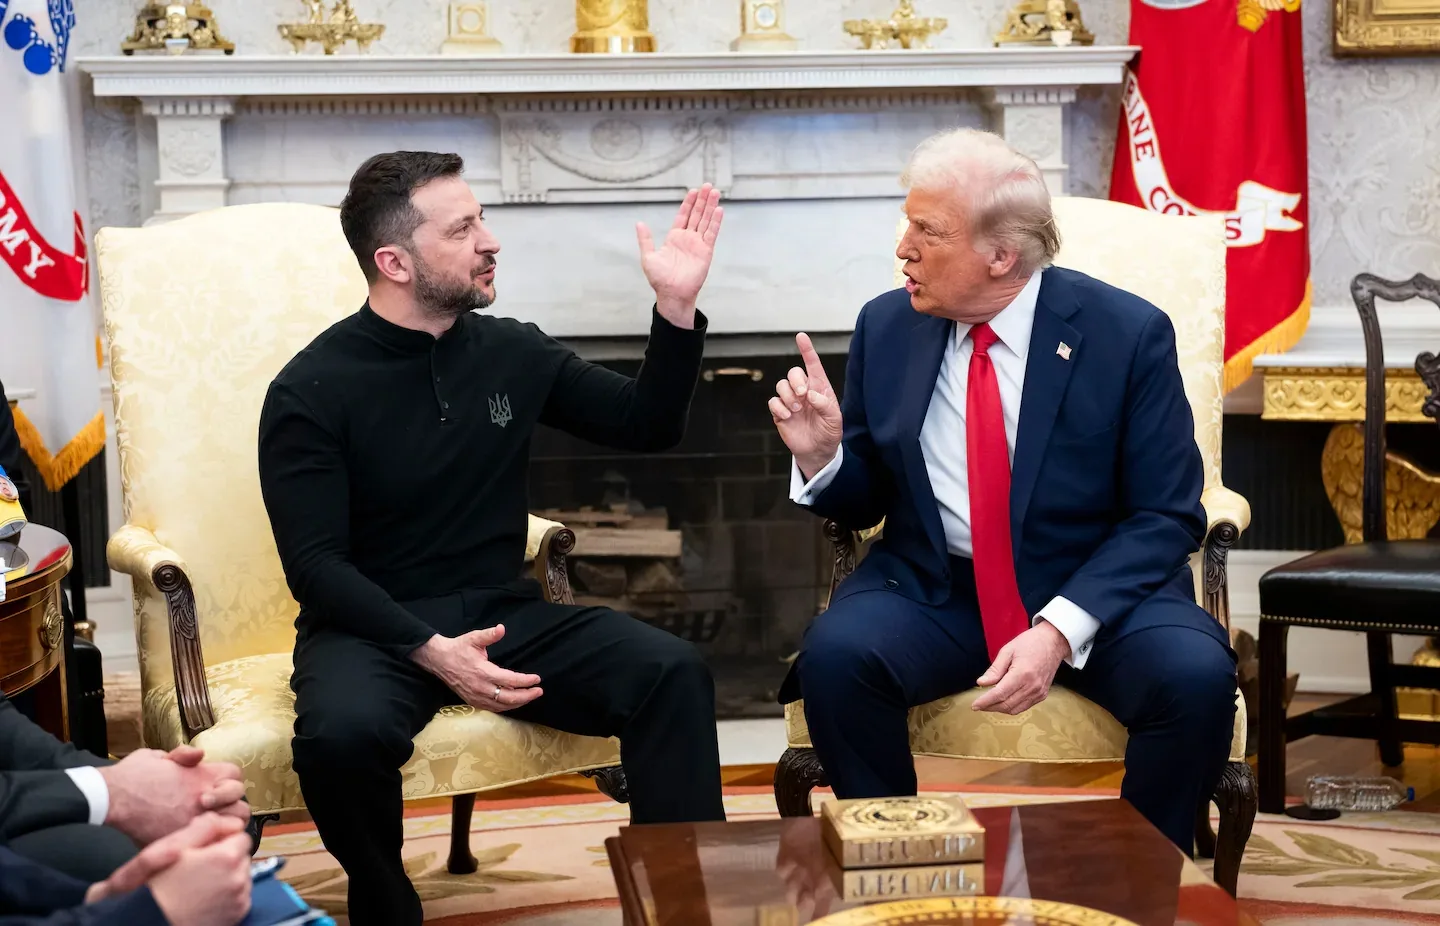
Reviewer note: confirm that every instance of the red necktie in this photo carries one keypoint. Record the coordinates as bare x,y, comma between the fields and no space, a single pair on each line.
988,464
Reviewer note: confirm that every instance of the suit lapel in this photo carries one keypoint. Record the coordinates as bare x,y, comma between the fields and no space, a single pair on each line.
927,348
1047,374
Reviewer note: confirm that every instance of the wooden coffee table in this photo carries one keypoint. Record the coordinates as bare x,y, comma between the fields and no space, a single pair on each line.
1097,854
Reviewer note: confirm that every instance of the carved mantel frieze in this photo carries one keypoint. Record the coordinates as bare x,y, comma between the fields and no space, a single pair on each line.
627,149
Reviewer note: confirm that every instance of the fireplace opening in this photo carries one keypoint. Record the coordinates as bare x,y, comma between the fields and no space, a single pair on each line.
701,540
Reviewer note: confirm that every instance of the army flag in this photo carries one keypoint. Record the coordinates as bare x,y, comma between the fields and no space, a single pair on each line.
1213,121
48,339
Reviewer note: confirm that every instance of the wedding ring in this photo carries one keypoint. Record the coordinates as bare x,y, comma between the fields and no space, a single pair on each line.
497,692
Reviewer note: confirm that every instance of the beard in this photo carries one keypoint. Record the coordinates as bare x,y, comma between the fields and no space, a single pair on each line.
445,298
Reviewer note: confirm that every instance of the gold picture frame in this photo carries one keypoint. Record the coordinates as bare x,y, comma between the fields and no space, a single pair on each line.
1373,28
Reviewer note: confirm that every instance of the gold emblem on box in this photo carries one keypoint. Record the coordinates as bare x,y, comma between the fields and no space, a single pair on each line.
888,832
972,911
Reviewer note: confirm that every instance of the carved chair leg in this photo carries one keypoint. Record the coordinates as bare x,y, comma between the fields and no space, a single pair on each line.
1272,715
797,774
611,782
256,828
1237,799
461,861
1204,835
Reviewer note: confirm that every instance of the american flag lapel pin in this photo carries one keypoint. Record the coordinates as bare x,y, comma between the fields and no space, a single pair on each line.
1063,350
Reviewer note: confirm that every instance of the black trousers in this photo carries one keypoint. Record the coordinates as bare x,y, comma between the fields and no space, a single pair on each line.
358,706
88,853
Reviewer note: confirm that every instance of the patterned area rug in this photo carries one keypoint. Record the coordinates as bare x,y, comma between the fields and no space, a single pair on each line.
542,862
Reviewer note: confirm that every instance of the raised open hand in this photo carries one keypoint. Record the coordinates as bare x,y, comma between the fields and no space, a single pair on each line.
677,269
806,412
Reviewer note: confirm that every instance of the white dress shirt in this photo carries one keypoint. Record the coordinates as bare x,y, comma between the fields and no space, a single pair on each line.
943,444
97,794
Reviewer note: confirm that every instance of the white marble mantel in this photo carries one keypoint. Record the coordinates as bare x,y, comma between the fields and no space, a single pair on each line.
310,75
567,151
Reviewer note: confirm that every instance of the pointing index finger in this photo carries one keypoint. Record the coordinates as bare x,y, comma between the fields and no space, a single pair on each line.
813,369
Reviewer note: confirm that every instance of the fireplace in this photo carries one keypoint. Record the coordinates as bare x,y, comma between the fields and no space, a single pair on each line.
702,539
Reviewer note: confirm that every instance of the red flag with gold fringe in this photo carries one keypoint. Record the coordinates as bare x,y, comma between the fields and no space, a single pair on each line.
1213,121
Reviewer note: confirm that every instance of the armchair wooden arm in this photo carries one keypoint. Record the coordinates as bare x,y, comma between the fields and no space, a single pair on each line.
1227,514
547,545
136,552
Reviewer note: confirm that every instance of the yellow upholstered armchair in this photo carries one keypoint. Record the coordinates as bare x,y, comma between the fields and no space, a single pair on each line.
200,315
1179,265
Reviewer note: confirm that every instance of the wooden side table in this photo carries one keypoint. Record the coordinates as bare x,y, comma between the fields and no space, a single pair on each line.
32,631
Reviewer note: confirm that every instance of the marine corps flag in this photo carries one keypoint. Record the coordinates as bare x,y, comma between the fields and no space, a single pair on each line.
1213,120
47,321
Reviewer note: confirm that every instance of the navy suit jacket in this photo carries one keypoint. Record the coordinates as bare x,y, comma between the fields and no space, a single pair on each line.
33,895
1105,487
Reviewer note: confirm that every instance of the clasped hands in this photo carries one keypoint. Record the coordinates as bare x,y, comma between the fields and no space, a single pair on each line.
807,415
190,816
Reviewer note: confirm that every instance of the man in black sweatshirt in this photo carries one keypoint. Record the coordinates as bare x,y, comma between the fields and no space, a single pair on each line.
393,459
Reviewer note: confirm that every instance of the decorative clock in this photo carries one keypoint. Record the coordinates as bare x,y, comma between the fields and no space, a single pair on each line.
762,27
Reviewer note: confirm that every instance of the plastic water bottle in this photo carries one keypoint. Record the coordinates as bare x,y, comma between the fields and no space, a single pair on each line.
1336,792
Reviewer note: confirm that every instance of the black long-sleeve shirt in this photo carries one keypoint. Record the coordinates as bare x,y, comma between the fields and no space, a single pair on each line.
393,464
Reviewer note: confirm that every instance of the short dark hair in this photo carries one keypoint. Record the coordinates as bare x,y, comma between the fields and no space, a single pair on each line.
377,210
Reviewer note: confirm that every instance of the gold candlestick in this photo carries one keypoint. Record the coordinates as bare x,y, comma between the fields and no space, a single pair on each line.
603,26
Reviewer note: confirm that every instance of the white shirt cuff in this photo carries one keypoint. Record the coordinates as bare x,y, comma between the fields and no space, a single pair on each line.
802,492
97,794
1077,626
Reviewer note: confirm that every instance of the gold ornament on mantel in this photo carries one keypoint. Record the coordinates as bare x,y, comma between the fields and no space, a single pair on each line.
603,26
1044,22
175,28
903,27
332,30
469,32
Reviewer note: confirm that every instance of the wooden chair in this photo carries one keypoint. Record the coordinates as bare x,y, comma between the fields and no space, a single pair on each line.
200,315
1378,586
1179,265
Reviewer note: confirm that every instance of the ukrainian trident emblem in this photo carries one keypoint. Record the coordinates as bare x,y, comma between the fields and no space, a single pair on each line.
500,409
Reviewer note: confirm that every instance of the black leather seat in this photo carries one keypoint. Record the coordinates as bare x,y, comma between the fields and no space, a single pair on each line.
1392,585
1378,587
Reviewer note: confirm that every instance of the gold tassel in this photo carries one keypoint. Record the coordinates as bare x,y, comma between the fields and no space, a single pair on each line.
1277,340
60,468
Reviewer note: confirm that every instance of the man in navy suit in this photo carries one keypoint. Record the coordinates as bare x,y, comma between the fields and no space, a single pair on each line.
1023,431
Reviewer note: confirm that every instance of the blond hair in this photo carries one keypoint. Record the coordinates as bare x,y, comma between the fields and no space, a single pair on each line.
1009,204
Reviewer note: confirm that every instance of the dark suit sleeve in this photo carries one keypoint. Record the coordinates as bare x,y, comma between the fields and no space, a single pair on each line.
306,488
32,895
862,491
31,801
10,450
35,792
26,747
1161,476
646,413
